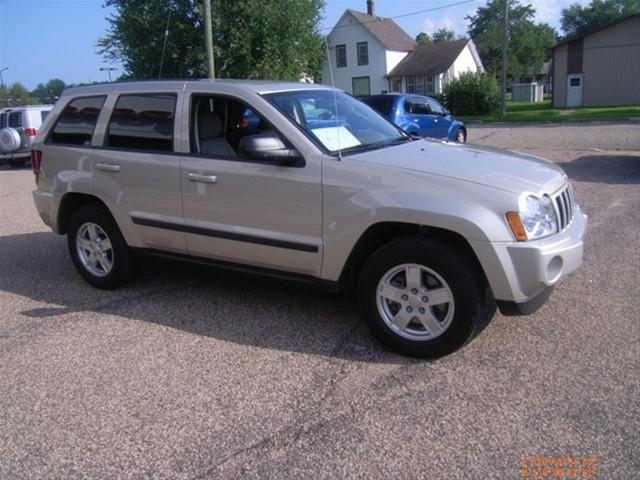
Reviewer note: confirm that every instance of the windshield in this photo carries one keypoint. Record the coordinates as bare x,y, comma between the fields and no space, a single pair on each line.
337,121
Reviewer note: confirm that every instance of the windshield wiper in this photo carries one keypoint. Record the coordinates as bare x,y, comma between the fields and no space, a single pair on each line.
374,146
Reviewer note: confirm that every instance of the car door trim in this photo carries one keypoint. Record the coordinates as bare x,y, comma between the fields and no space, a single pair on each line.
239,237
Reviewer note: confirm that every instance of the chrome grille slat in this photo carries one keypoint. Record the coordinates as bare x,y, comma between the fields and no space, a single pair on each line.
564,207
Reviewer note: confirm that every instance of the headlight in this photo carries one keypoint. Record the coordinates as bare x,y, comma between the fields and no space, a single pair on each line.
536,218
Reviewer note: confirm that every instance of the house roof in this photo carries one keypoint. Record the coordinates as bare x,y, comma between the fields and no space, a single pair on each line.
429,59
386,31
597,29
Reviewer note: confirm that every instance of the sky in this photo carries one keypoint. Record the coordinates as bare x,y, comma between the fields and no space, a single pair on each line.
43,39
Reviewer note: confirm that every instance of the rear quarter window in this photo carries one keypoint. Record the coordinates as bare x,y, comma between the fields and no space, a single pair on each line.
15,119
77,121
142,122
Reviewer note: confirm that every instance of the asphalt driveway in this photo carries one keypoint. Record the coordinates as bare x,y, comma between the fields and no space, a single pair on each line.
191,373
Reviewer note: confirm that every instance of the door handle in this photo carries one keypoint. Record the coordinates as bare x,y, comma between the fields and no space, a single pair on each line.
108,167
202,177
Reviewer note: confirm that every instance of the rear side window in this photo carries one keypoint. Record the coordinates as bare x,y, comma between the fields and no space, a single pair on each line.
43,114
15,119
142,122
77,121
382,104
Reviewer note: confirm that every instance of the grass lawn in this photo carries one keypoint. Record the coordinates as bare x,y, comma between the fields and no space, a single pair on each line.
544,112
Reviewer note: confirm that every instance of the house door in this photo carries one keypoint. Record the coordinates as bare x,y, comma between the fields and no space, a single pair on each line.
574,90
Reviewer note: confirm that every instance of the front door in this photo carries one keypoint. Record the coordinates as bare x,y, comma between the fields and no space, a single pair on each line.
420,117
574,90
245,211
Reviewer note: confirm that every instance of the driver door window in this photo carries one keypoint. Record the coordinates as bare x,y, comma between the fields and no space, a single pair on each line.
218,124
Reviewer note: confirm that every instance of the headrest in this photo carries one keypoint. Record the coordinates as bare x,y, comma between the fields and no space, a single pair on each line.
209,125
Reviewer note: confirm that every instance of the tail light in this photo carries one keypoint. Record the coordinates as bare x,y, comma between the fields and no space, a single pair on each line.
36,161
30,132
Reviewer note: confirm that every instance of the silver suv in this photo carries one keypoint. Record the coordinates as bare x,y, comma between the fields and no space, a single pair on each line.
305,182
18,129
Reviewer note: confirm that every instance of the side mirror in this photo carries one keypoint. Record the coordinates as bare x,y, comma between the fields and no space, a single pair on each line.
269,147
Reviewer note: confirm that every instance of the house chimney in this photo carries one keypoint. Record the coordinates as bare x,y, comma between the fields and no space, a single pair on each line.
371,7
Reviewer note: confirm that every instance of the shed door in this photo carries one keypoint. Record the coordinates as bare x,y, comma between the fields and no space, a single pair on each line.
574,90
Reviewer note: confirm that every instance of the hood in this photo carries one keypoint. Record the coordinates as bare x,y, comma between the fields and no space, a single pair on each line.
501,169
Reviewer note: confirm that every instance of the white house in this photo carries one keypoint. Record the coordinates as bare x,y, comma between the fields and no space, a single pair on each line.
368,54
363,49
428,68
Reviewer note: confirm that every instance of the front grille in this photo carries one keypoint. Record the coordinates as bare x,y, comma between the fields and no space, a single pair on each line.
564,206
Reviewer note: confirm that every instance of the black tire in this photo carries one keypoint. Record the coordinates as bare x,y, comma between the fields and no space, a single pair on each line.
461,135
16,163
471,297
124,262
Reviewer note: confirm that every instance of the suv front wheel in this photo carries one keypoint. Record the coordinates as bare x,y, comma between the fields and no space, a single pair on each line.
422,298
98,250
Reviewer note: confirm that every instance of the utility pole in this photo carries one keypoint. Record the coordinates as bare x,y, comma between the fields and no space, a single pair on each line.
504,58
208,38
1,77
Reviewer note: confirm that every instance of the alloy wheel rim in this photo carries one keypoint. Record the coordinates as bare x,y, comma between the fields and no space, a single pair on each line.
94,249
415,302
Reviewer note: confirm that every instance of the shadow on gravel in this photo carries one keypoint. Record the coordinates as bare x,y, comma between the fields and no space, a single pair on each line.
612,169
233,307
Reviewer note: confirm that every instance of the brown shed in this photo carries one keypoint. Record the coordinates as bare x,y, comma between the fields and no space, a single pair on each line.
600,67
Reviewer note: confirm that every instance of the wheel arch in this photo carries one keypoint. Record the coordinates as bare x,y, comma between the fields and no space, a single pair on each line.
380,234
70,203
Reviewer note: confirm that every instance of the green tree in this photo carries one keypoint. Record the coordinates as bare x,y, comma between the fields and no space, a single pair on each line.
49,92
423,38
529,43
16,94
443,35
275,39
578,19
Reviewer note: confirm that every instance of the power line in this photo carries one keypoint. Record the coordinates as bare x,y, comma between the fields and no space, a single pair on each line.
418,12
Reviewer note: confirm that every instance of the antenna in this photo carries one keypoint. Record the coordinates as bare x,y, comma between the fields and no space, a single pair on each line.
335,95
164,44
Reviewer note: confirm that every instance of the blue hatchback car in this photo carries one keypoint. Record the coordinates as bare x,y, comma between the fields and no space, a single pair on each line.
418,115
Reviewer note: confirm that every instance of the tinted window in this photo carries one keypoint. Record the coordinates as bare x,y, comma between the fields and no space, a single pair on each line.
43,114
3,120
77,121
15,119
142,122
382,104
417,106
575,82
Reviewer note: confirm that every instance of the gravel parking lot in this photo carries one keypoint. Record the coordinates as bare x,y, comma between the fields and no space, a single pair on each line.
190,373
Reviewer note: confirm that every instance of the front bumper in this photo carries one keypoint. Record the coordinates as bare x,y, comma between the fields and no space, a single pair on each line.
521,272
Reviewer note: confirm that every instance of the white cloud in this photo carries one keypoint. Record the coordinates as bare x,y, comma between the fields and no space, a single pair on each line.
455,23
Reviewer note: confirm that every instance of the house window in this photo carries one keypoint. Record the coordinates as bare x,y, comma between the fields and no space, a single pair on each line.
341,56
420,90
430,84
361,86
411,84
396,84
363,53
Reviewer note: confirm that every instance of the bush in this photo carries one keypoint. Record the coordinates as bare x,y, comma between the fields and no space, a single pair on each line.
472,94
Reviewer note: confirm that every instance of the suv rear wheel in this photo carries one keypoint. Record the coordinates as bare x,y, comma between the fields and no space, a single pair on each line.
422,298
98,250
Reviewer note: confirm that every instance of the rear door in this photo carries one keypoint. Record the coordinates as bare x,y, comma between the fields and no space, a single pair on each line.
241,210
136,169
